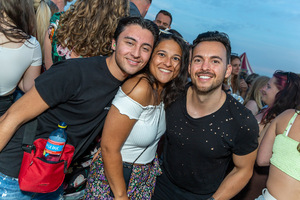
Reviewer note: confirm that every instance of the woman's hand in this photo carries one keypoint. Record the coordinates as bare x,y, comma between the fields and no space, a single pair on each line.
243,85
243,88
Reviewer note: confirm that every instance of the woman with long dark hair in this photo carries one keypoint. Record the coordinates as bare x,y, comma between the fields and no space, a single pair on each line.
20,55
135,123
280,149
282,92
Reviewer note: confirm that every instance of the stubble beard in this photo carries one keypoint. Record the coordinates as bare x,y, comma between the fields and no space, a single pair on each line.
207,90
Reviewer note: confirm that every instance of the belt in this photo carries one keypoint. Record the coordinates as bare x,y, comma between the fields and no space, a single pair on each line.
10,96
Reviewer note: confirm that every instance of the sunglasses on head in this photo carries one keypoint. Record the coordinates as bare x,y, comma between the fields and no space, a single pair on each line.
164,32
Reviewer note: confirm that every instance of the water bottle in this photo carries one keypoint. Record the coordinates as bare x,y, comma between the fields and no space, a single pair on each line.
55,144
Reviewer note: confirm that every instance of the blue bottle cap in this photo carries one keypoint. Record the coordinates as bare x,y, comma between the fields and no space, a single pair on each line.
62,125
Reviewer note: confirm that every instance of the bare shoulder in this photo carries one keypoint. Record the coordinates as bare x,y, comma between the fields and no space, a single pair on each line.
283,119
139,89
252,105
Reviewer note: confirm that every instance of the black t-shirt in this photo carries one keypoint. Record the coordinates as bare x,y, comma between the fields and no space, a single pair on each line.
79,92
197,151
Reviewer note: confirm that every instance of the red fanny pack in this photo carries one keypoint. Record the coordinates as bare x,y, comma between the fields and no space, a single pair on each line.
38,175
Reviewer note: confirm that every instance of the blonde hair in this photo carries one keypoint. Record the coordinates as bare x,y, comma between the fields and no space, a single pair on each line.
43,15
254,92
87,28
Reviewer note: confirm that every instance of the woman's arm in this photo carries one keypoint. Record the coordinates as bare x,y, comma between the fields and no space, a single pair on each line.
27,80
265,149
47,51
252,106
116,129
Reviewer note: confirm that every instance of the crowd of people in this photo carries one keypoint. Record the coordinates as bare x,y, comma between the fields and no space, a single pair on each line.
150,115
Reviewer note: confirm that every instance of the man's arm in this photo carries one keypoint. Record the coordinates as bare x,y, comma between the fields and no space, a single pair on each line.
237,179
23,110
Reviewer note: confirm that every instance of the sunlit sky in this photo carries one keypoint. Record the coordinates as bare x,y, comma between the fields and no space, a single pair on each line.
268,31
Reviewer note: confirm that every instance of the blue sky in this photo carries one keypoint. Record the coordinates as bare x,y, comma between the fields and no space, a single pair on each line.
267,30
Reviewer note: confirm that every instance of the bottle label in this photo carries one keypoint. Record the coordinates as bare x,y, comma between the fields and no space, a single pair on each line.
53,147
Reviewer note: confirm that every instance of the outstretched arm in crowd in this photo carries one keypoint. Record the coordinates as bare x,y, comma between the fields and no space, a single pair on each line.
47,52
23,110
237,179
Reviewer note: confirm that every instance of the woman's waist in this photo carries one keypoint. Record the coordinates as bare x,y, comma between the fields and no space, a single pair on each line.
8,94
281,185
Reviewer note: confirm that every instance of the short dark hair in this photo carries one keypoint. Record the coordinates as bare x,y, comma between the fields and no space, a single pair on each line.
217,37
144,23
165,13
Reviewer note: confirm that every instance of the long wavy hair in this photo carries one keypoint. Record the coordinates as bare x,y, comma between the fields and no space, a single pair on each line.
44,9
175,87
234,80
288,97
17,20
87,28
254,92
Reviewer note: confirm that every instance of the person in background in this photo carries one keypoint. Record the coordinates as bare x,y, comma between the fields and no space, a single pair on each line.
163,20
250,79
206,129
61,4
85,30
280,148
80,94
20,56
237,83
139,103
139,8
253,99
254,103
44,9
279,94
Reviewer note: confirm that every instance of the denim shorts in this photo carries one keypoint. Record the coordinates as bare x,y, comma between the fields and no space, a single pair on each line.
265,195
10,190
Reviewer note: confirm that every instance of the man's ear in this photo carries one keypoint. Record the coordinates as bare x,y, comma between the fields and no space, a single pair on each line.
113,44
189,68
228,71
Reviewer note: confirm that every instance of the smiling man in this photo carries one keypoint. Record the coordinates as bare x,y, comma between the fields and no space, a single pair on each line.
78,92
206,130
163,20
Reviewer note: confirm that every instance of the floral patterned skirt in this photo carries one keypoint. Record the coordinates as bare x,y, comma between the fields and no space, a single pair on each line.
141,184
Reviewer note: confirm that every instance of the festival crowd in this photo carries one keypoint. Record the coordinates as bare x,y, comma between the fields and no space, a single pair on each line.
149,116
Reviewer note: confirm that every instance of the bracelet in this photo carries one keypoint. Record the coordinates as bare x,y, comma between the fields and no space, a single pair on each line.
211,198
